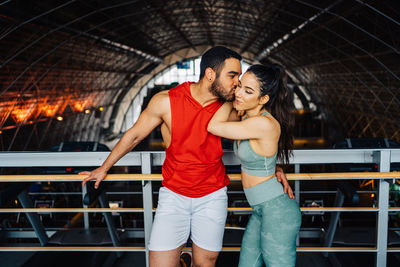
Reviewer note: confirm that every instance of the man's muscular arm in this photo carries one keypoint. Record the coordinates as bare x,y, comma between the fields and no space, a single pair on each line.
150,118
281,177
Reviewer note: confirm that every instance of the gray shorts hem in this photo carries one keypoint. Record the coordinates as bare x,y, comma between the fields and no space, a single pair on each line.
163,249
214,249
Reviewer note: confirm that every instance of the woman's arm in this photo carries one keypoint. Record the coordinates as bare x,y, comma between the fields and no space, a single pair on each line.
252,128
222,114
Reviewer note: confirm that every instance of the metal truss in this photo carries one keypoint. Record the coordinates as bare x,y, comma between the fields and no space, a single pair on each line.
344,54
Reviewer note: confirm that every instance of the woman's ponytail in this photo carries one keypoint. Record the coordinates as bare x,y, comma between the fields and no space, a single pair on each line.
273,81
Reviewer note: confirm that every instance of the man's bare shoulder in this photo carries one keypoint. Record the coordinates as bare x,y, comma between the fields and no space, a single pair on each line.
161,97
159,103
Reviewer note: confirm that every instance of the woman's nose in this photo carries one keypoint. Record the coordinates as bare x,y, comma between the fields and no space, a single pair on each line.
237,92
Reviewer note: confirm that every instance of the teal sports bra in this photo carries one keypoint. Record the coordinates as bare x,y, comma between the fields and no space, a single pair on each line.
253,163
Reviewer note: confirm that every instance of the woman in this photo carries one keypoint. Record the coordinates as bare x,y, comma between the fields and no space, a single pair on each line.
262,136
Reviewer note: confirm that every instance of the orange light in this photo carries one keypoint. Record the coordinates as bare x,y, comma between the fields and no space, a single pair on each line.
78,106
372,195
59,118
50,110
300,111
22,113
1,132
303,141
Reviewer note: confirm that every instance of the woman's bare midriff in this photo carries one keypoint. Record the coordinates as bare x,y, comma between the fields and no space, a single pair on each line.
249,180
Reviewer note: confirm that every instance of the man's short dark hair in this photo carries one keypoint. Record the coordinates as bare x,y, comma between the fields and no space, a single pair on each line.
215,58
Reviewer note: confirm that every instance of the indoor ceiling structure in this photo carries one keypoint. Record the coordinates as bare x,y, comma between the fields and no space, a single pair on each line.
69,69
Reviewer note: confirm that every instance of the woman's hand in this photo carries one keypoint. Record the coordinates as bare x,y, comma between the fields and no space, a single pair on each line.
240,113
98,174
281,177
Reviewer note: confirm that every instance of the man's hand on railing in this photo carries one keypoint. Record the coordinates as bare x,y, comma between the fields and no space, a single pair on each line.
98,174
281,177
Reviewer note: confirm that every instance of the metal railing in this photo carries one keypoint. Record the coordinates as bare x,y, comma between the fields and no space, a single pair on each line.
382,157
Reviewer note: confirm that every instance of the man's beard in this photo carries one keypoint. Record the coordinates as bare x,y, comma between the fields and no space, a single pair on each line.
217,90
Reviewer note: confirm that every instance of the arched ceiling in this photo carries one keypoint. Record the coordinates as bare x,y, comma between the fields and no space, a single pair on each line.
62,57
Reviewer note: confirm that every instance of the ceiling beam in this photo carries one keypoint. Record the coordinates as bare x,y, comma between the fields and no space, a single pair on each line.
161,12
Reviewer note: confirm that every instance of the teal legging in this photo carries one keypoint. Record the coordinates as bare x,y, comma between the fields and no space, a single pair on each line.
270,235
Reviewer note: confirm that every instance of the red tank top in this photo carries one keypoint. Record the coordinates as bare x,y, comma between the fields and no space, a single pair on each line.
193,165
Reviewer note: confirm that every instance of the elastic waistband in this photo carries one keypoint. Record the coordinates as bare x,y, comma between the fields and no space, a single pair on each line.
259,172
263,192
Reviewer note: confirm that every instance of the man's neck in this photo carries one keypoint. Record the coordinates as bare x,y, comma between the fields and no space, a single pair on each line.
200,91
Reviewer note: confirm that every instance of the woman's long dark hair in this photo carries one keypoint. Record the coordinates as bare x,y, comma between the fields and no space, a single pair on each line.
273,82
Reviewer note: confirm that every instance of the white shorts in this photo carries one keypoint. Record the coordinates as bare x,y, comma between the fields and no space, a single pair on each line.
178,216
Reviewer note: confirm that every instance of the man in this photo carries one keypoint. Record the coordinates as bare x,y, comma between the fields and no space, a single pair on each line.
193,200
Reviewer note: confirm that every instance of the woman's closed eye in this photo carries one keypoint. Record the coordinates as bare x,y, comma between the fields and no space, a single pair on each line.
249,90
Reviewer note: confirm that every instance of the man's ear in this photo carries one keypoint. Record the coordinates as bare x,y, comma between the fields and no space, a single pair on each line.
210,74
264,99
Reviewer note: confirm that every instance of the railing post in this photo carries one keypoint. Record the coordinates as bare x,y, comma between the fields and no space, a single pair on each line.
297,183
85,214
147,201
383,158
297,195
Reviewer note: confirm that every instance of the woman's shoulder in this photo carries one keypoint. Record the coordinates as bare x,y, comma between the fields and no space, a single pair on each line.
268,122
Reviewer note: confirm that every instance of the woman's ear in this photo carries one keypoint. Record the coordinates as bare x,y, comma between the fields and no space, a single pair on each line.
264,99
